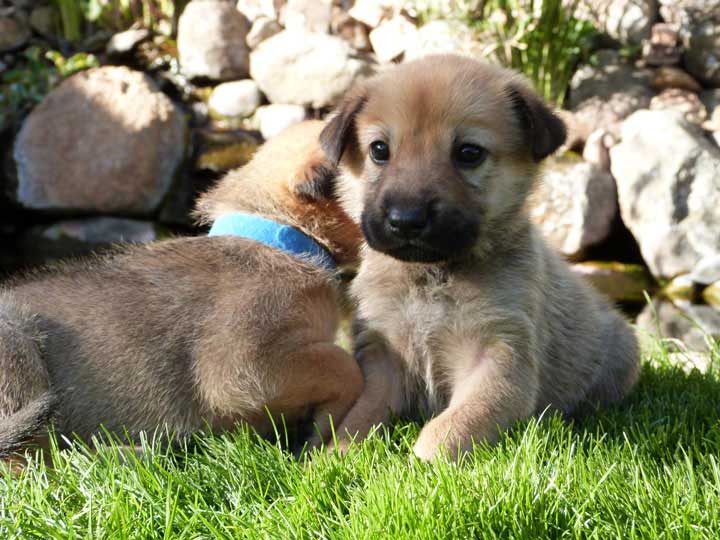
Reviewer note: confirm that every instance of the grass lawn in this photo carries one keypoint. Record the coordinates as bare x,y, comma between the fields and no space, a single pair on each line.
647,469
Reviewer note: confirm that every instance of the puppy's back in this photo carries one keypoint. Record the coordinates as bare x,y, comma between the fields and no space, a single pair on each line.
139,323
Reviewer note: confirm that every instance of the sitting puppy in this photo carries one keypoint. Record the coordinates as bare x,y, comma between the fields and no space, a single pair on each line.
464,313
193,332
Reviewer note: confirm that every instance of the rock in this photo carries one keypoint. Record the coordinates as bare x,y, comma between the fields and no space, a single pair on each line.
253,9
445,36
680,288
706,271
352,31
234,100
219,152
303,68
699,23
617,281
105,140
73,238
44,20
262,28
605,94
702,52
671,77
668,179
711,294
391,37
711,100
662,49
684,101
687,326
308,15
13,34
574,205
371,12
628,21
125,42
274,118
211,41
597,149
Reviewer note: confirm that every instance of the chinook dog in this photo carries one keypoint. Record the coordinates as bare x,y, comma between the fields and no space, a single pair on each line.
465,316
189,333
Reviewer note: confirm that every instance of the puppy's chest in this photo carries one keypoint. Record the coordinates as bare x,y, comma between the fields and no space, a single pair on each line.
416,321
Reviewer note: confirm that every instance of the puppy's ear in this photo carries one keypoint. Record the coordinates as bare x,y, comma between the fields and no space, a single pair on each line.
317,181
339,133
544,131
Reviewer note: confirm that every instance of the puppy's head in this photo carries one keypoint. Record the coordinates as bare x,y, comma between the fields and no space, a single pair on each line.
438,155
290,180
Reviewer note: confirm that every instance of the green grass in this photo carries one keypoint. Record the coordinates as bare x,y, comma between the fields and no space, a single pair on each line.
647,469
540,38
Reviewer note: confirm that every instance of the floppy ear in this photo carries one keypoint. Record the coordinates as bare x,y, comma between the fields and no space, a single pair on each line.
317,182
544,131
339,132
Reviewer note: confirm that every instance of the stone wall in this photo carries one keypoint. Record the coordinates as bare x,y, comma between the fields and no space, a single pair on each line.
118,152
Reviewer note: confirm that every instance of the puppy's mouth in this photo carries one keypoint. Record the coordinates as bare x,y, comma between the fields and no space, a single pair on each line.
435,245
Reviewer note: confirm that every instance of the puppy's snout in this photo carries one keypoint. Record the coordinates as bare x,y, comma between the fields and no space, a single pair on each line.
407,220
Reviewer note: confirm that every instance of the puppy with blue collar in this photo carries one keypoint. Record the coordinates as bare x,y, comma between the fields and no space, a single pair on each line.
190,333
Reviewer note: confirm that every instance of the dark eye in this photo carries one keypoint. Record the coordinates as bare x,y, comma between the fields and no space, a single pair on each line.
469,155
379,152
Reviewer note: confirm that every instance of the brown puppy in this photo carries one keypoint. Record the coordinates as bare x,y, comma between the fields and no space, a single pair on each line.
190,332
465,314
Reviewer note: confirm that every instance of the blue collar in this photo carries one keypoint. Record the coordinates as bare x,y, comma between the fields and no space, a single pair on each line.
273,234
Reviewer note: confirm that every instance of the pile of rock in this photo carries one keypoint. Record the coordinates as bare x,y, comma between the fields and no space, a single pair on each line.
640,181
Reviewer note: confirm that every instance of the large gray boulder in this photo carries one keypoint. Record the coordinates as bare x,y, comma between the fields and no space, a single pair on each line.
106,140
699,23
574,205
305,68
628,21
603,94
211,41
668,180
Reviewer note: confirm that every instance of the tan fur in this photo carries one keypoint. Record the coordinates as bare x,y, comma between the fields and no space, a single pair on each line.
496,328
191,332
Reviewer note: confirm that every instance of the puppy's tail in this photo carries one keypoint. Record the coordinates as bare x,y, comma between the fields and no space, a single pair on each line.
23,425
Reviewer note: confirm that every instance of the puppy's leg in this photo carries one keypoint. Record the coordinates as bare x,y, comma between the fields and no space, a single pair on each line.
495,387
26,402
384,393
620,368
327,377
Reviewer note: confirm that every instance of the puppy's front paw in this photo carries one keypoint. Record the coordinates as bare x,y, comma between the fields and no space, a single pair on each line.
432,442
425,450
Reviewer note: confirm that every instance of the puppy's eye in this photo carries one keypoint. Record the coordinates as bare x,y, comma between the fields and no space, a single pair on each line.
469,155
379,152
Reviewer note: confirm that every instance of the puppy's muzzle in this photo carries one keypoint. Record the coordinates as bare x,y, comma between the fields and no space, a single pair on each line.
407,222
418,229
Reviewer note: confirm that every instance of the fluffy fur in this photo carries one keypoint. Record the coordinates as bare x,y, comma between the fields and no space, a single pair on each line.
465,315
188,333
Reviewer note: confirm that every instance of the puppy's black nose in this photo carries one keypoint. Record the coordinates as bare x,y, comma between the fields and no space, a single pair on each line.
407,221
